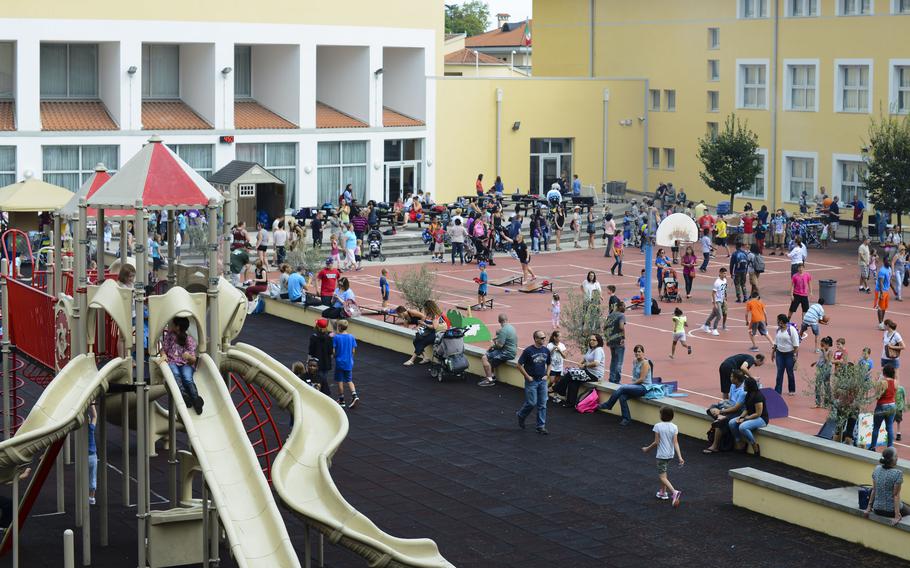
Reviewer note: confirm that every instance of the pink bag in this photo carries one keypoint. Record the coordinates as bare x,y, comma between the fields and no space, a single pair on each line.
589,403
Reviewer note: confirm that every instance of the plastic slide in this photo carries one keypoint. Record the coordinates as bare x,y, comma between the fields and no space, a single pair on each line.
246,507
300,474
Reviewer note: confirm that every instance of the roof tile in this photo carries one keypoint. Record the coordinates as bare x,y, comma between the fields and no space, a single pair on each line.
75,115
470,56
329,117
390,118
252,115
7,115
171,115
498,38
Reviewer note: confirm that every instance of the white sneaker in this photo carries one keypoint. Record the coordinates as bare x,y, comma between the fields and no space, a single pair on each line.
91,500
881,326
662,495
714,332
706,329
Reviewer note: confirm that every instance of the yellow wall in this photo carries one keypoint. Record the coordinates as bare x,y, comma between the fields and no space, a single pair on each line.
667,42
572,108
488,71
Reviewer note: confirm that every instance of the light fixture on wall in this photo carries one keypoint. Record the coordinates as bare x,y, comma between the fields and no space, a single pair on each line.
626,122
377,73
226,70
641,119
308,169
516,125
429,163
376,165
132,70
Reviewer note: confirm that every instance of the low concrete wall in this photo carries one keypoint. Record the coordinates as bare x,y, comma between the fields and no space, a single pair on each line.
833,512
804,451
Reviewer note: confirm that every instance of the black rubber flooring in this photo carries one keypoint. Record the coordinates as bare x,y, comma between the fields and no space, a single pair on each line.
447,461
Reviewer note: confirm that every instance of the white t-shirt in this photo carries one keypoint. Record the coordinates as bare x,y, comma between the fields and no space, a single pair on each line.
706,244
556,360
597,355
665,433
589,288
280,237
798,254
890,338
720,290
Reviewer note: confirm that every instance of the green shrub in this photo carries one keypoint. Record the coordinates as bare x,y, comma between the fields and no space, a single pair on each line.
417,286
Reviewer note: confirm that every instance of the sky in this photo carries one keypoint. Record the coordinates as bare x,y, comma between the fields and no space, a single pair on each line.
517,8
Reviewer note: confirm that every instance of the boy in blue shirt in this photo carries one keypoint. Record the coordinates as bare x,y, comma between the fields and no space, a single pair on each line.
482,284
344,345
641,283
627,226
384,287
297,285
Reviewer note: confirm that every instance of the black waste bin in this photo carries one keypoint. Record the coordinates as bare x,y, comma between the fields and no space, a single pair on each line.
827,290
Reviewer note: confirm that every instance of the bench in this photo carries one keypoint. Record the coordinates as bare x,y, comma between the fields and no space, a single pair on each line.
536,286
508,280
487,303
834,512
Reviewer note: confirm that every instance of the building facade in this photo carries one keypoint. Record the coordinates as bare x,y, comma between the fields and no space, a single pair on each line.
807,75
319,96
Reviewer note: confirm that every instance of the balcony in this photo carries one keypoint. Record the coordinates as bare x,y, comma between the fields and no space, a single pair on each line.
266,86
79,86
178,86
342,87
404,91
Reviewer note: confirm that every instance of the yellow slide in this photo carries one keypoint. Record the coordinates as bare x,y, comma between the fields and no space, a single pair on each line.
242,496
301,475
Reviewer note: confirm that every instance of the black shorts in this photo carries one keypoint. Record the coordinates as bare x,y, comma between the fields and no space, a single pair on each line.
157,263
262,248
800,301
722,241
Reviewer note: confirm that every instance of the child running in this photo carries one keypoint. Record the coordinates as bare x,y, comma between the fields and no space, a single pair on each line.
757,320
180,350
555,310
666,440
344,345
679,332
384,287
823,373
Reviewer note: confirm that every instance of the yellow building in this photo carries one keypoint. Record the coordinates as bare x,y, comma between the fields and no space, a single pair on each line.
807,75
461,61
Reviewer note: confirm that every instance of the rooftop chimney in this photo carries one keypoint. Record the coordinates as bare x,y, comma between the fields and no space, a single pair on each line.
502,19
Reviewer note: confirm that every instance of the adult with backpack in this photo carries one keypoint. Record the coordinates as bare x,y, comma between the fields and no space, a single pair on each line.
756,269
739,268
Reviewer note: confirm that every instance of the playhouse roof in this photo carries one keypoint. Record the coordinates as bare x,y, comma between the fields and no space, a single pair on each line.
91,185
33,195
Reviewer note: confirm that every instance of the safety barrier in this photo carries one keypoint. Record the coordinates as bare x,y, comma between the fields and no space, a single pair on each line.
31,323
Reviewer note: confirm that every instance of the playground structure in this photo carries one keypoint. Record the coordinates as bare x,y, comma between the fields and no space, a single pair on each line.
105,321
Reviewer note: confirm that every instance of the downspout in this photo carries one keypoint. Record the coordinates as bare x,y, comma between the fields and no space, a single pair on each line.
498,130
644,162
606,124
591,14
772,158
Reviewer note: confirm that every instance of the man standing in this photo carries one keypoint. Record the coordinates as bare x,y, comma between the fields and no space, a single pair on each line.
834,218
859,210
504,348
700,209
328,280
863,259
882,288
534,365
800,289
744,362
576,186
321,351
718,304
615,328
739,267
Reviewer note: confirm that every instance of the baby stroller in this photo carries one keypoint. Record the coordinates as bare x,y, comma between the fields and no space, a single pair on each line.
671,287
374,239
448,355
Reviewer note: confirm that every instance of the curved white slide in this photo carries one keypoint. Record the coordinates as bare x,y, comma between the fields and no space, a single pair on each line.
246,507
60,409
301,475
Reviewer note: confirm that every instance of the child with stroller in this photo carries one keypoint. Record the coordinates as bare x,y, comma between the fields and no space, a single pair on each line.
179,348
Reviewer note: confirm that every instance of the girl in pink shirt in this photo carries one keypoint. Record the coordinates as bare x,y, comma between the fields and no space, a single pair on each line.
179,348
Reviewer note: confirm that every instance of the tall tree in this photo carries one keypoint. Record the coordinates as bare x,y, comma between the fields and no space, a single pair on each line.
887,156
730,159
468,18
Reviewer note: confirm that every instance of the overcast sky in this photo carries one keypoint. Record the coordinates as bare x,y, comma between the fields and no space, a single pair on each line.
519,9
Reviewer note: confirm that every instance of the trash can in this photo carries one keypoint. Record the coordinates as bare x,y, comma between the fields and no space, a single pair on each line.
827,290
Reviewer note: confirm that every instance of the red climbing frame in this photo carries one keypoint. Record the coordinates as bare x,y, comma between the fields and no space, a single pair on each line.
255,408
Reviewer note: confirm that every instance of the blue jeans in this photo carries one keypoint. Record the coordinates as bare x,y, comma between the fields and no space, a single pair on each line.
92,472
535,397
623,394
616,354
785,362
704,265
458,248
883,413
535,244
745,429
184,376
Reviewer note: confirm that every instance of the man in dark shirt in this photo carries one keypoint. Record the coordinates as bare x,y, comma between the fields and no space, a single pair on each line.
534,364
743,362
316,227
320,348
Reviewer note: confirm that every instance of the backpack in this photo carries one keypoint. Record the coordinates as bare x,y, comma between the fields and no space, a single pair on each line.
741,262
589,403
758,263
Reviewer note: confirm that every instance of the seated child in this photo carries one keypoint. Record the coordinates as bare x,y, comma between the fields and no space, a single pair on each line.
180,350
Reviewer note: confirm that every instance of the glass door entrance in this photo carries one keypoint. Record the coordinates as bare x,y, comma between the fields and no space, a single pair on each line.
400,180
549,173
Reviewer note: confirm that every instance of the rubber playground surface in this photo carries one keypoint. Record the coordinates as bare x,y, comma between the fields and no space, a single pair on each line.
852,318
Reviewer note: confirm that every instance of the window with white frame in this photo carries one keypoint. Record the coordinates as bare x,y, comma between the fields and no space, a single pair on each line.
713,101
753,9
69,70
160,71
70,166
714,70
654,158
654,100
854,7
670,158
246,190
802,8
670,97
799,177
757,191
7,165
280,159
753,85
197,156
340,164
900,86
850,179
7,70
243,71
853,87
714,37
801,87
900,6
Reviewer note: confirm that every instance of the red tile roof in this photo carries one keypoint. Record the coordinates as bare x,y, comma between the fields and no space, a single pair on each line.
75,115
499,38
329,117
7,115
470,57
390,118
171,115
252,115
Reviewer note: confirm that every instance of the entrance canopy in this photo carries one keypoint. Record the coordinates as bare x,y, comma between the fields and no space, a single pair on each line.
157,178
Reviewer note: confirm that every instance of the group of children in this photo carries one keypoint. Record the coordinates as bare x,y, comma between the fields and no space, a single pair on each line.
328,349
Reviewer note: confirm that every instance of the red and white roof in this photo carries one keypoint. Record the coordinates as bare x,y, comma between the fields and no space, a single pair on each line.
88,189
158,179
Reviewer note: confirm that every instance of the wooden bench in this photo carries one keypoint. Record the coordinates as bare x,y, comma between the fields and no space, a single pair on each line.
487,303
536,286
508,280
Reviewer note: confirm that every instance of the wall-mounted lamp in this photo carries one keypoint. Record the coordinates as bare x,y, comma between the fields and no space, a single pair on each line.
378,73
626,122
132,70
308,169
429,163
226,70
376,166
641,119
516,126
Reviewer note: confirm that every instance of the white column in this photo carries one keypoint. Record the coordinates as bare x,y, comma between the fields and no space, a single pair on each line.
28,85
224,85
131,91
376,59
307,62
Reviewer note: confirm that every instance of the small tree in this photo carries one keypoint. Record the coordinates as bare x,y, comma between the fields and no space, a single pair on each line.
311,258
851,393
581,318
417,286
469,18
730,158
887,157
197,241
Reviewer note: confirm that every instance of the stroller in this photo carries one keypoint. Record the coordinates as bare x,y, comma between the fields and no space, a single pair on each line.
448,355
374,239
671,287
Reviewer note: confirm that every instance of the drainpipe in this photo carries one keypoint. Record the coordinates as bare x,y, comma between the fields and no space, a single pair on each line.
606,124
644,163
498,130
476,63
772,158
591,12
